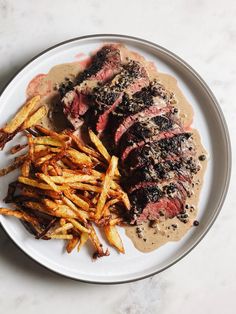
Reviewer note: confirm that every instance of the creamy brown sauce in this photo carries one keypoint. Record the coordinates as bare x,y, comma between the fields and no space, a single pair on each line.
167,230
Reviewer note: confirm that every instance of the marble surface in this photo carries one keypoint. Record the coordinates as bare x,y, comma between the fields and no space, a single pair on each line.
204,34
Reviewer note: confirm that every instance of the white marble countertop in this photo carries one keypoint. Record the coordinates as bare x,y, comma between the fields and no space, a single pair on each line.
204,34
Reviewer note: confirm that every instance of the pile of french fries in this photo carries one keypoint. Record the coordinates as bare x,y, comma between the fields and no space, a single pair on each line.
65,187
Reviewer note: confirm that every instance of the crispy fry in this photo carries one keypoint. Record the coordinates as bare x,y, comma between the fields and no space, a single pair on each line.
73,179
106,186
42,159
88,150
16,164
100,147
79,158
60,137
83,239
18,214
105,210
61,236
78,226
65,227
82,215
20,117
48,180
71,244
77,200
114,238
35,118
97,244
25,169
48,140
15,149
115,221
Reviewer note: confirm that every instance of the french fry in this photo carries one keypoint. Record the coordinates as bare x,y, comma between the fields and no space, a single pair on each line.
42,159
48,140
21,116
18,214
16,164
25,169
15,149
88,150
113,238
65,227
54,209
77,200
97,244
83,239
79,158
82,215
71,244
72,179
48,180
100,147
78,226
106,186
60,137
35,118
111,202
61,236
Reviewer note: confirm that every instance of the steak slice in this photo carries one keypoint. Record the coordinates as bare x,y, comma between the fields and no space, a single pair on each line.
130,80
151,202
149,102
104,65
181,169
148,130
177,145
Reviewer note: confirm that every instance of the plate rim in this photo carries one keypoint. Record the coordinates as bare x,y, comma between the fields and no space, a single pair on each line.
222,120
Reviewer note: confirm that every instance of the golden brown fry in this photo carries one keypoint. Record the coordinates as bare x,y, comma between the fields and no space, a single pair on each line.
107,206
65,227
88,150
83,239
106,186
42,159
61,236
78,226
15,149
78,157
18,214
60,137
48,140
35,118
25,169
113,238
16,164
115,221
71,244
97,244
72,179
77,200
82,215
51,208
21,115
48,180
100,147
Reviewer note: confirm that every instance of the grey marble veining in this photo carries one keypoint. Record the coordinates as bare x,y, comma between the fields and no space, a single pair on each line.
204,34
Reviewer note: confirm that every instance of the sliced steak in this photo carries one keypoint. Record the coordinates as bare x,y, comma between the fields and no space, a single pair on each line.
173,146
181,169
104,65
148,130
151,202
130,80
149,102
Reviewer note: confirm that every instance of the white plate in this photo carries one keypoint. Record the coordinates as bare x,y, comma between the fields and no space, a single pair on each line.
208,120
